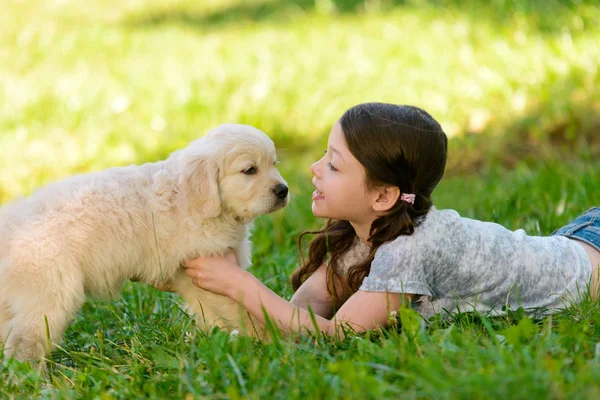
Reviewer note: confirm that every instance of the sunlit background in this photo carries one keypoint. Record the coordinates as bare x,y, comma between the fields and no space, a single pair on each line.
91,84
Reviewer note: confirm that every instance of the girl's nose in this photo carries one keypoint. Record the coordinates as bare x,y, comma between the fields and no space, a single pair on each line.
314,168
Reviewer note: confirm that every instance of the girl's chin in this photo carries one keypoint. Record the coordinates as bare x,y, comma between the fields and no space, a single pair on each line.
317,212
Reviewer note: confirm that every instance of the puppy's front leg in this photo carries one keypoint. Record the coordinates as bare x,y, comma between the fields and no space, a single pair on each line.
5,317
210,309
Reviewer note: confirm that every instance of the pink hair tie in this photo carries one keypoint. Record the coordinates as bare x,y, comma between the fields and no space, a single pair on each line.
409,198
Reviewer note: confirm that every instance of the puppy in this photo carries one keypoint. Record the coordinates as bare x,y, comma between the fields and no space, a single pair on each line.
88,234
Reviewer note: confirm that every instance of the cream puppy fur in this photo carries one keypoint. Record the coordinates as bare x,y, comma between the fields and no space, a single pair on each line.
88,234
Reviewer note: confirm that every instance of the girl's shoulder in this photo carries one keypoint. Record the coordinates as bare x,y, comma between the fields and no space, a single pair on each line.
435,227
447,230
435,222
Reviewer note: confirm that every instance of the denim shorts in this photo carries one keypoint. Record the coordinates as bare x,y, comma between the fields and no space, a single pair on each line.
586,228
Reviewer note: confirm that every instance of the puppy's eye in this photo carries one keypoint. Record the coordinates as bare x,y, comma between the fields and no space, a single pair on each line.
250,171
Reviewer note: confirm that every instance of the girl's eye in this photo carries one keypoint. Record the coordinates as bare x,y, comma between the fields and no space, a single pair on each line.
331,167
249,171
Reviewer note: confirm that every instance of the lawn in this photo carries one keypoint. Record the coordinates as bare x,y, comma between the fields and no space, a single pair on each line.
88,85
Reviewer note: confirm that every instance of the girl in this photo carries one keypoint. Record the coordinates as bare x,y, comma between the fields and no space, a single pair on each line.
385,245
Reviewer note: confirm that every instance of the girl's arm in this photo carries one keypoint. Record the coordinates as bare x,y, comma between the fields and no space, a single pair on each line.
362,311
315,293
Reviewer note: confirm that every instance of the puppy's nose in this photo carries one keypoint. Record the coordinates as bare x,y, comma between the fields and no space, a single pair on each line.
281,191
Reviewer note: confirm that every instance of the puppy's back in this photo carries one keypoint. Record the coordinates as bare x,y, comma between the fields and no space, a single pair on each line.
84,220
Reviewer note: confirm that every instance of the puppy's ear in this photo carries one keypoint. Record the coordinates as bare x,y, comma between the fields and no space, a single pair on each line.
200,186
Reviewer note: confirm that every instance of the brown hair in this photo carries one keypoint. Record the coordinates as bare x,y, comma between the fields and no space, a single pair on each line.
397,145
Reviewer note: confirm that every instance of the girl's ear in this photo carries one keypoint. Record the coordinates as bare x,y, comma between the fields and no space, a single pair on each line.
386,197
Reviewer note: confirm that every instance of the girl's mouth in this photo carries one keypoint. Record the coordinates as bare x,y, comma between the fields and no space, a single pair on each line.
317,195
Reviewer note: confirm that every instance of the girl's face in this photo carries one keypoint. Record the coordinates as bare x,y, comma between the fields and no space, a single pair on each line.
340,181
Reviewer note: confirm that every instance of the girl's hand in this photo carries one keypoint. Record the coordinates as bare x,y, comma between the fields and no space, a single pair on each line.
219,275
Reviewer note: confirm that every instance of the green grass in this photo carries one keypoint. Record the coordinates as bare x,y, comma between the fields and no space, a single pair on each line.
87,85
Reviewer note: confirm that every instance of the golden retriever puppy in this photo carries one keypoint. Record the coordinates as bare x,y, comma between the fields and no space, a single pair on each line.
88,234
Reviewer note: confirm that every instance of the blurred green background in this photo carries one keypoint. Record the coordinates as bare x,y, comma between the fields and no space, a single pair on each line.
85,85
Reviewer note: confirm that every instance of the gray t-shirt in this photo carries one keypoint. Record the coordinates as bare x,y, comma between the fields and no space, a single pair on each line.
461,264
